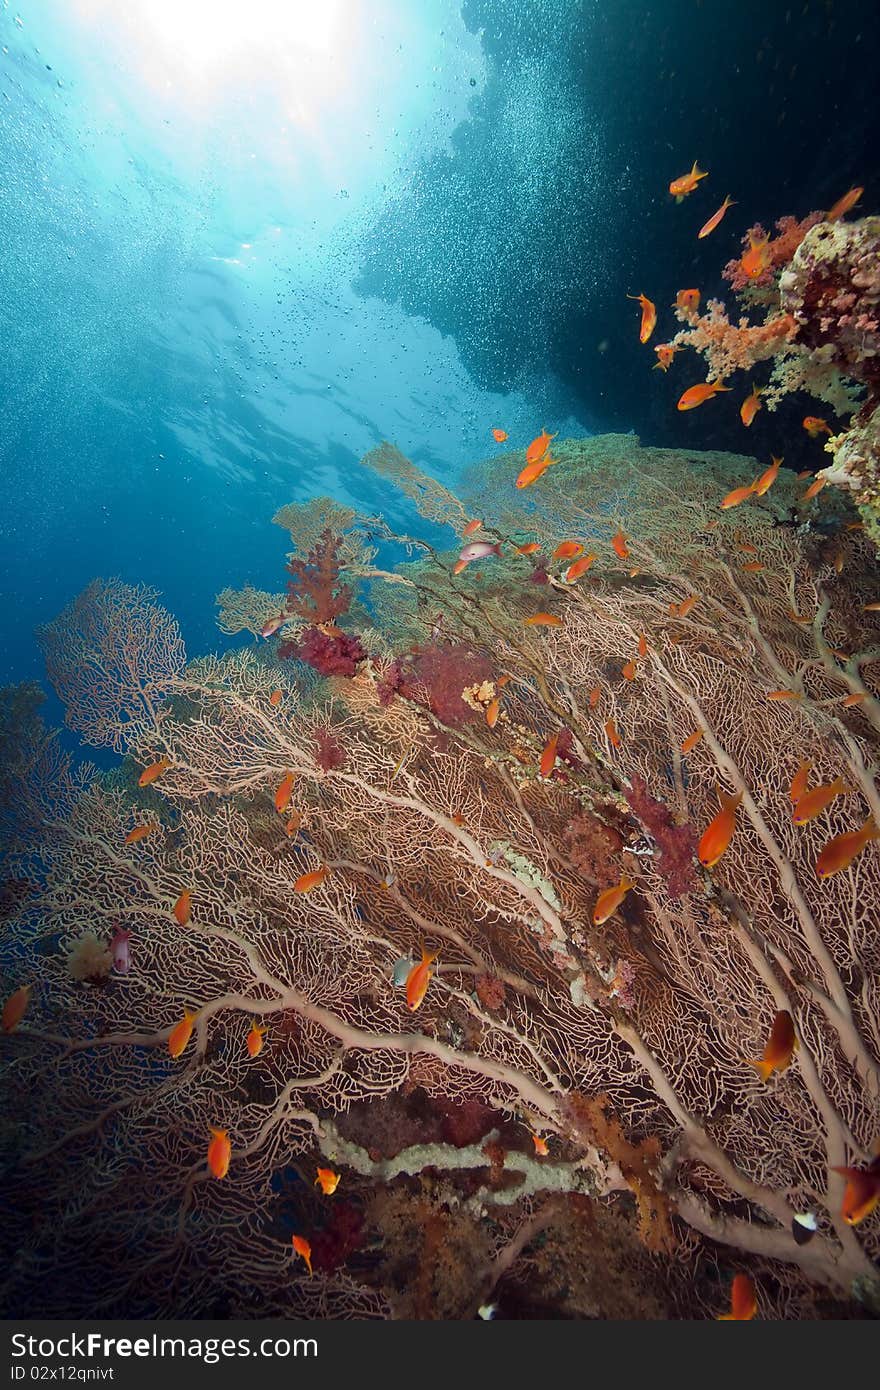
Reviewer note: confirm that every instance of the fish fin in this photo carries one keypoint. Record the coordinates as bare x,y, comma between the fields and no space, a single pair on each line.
761,1067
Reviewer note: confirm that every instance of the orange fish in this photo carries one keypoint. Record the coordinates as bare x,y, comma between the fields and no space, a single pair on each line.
530,548
418,979
862,1191
293,823
743,1300
768,478
816,426
619,545
306,882
757,259
804,473
797,617
649,316
140,832
608,902
680,187
579,568
871,607
665,353
750,406
499,435
327,1180
719,832
752,567
611,730
568,550
747,548
739,494
799,782
254,1041
812,803
471,527
784,694
275,697
532,472
780,1047
501,681
459,566
219,1152
643,645
14,1008
538,447
685,607
849,700
181,1033
283,794
840,852
595,696
629,670
548,757
688,300
493,709
814,489
844,204
540,1146
155,770
696,395
716,217
182,908
691,741
302,1247
542,620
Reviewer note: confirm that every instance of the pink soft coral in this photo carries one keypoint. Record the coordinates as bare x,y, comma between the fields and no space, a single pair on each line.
730,347
435,676
677,843
333,654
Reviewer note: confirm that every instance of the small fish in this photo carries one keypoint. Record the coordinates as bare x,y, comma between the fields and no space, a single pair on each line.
871,608
697,395
219,1152
688,300
718,834
387,880
862,1192
530,548
302,1247
750,406
579,568
611,730
855,526
284,792
181,1033
618,543
539,446
716,217
14,1008
501,681
686,183
540,1146
685,607
665,353
643,646
798,617
840,852
844,204
532,472
120,949
595,696
542,620
487,1311
804,473
608,902
767,478
849,700
155,770
499,435
812,803
568,550
493,709
739,494
479,550
784,694
799,782
629,670
254,1041
838,562
814,489
418,979
780,1048
140,832
753,567
804,1226
548,757
459,566
757,259
743,1300
691,741
183,907
276,697
294,822
649,316
313,879
327,1180
271,627
471,527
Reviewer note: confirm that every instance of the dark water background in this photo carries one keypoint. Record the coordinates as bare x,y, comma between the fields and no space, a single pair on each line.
461,264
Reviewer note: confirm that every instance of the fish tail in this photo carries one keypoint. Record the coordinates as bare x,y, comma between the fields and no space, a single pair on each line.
761,1067
871,829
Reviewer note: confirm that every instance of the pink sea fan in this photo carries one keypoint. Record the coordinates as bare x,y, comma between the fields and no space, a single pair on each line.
677,843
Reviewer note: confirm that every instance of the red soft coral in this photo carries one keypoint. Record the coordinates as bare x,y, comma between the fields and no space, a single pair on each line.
435,676
315,592
330,753
677,843
331,655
